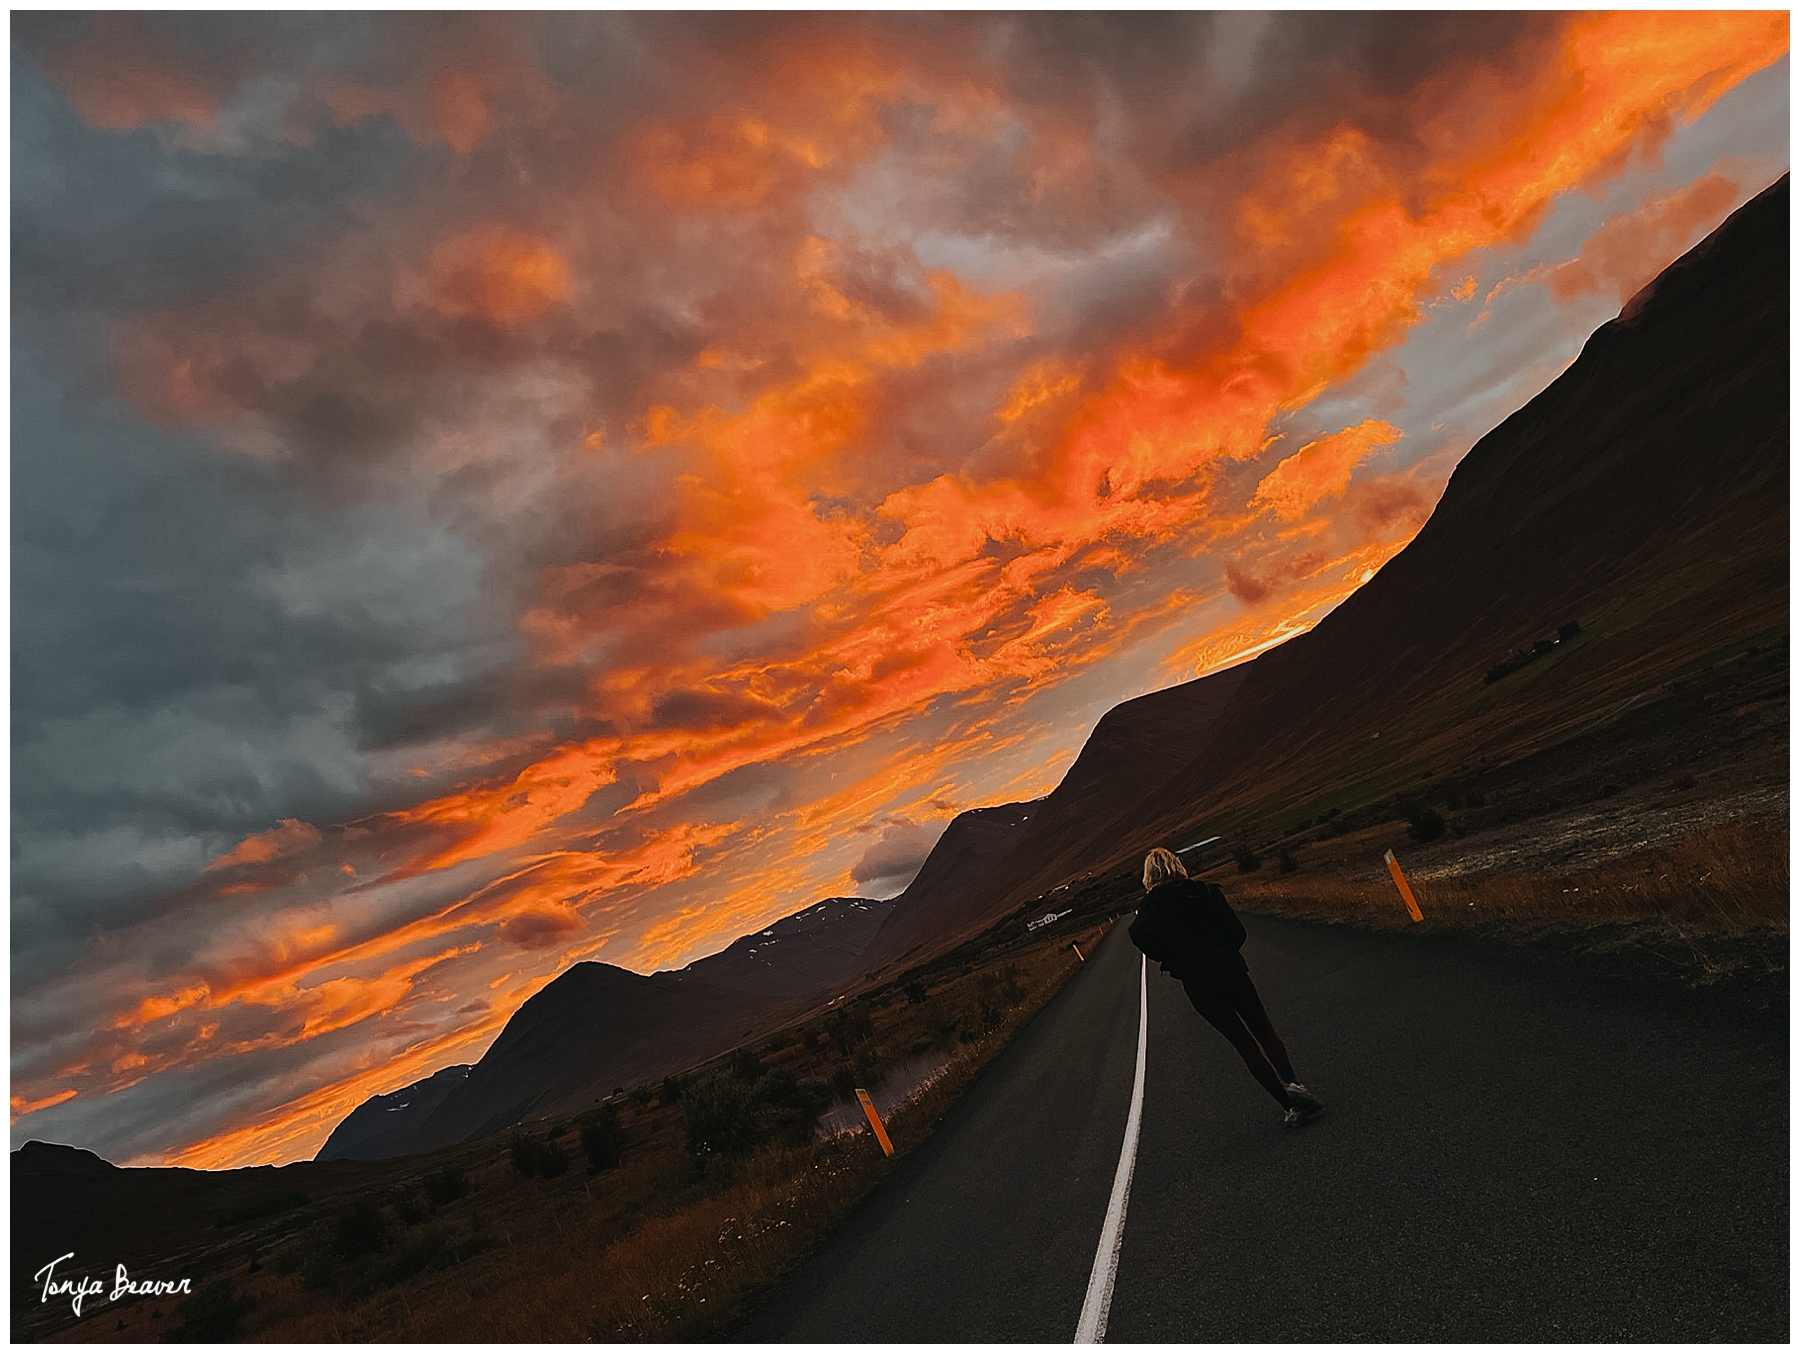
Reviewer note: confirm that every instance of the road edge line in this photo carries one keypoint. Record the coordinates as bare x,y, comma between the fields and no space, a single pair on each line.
1091,1330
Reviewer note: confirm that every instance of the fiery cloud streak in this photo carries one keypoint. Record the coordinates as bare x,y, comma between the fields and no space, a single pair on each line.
789,518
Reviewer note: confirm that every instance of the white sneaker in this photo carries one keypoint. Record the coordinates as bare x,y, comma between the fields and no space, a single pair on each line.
1303,1109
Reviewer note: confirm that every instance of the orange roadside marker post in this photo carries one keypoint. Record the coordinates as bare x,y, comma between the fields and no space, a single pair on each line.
1406,893
874,1121
1078,954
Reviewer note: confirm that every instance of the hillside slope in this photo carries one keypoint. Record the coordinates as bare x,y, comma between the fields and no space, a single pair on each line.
1140,742
387,1125
1643,494
809,954
928,917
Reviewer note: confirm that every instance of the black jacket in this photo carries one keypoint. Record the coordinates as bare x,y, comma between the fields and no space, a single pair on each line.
1187,926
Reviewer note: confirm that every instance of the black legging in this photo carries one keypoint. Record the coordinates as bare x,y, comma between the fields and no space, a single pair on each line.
1231,1006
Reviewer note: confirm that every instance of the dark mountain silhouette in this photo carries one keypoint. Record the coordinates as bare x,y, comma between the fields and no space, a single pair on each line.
928,913
598,1027
386,1125
806,955
595,1028
1643,493
1141,742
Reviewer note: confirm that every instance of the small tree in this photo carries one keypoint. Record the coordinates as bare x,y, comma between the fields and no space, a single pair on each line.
1247,860
1285,862
915,992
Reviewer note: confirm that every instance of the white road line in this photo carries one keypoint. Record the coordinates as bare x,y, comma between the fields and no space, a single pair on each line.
1092,1329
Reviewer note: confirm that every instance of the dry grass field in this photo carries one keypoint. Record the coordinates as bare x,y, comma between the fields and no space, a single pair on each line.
1726,880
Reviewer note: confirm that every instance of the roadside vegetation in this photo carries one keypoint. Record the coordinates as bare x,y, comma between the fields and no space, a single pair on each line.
653,1217
1725,881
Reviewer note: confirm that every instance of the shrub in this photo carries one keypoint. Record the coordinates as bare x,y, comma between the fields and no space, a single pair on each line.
534,1157
1285,862
446,1186
1424,825
789,1107
640,1096
210,1316
745,1065
1475,799
849,1028
719,1117
941,1027
995,994
915,992
1247,860
602,1140
358,1229
673,1088
430,1249
408,1207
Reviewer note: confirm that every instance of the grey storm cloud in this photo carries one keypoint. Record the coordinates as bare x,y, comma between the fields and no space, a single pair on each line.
207,641
313,520
897,856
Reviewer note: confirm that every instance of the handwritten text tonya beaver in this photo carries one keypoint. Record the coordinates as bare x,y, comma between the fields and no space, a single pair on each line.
79,1288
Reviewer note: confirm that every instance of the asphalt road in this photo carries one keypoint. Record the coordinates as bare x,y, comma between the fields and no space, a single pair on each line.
1510,1153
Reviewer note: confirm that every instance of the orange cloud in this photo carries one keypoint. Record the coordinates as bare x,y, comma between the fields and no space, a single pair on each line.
1633,247
287,837
935,611
492,819
498,274
300,1127
1321,469
21,1106
123,73
312,988
465,83
795,591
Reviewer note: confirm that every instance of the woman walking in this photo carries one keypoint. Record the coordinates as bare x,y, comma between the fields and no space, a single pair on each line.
1186,926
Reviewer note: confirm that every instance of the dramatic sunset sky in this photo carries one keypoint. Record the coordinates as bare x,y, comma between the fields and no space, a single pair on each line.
490,492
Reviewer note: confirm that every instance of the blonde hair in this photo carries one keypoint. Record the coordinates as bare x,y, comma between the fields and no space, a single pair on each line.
1162,865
